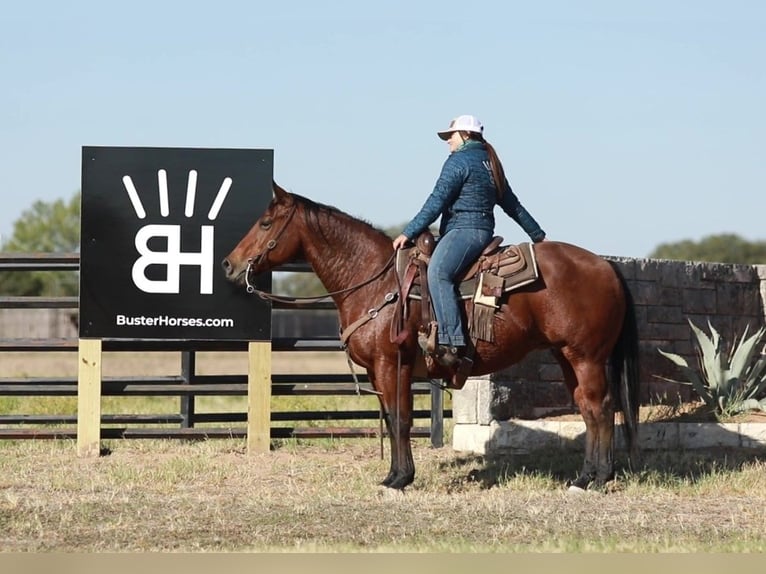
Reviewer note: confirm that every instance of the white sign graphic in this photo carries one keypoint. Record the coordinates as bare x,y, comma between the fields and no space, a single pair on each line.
173,258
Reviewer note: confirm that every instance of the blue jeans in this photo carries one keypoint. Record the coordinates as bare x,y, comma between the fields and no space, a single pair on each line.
455,251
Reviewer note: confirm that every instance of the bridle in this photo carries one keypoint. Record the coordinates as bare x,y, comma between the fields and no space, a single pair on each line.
272,243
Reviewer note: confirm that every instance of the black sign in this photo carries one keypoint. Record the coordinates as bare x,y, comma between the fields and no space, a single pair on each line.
156,224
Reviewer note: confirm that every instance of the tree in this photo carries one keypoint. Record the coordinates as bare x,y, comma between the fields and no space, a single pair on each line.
722,248
44,228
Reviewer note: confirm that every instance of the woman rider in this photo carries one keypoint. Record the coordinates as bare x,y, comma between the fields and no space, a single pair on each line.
464,196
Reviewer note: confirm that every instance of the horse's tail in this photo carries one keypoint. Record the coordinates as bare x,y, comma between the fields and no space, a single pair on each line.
623,371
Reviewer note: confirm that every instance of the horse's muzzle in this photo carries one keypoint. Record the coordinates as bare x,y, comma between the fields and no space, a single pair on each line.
231,271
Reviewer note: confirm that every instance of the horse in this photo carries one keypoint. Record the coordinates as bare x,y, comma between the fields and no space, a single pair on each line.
580,307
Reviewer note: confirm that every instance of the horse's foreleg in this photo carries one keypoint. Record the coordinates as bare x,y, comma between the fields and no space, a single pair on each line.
594,400
396,401
392,471
394,456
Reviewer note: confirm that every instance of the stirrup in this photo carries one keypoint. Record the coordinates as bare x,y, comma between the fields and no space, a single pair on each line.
427,338
447,356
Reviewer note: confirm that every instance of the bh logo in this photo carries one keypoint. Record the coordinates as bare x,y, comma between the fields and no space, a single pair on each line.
173,258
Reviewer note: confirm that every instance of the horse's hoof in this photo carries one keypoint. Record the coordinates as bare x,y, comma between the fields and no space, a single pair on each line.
576,489
387,493
397,482
389,480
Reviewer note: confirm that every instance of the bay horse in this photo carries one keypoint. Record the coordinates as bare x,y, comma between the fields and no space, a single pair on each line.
580,308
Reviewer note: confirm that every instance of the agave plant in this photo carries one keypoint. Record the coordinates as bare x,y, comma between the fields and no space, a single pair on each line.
728,384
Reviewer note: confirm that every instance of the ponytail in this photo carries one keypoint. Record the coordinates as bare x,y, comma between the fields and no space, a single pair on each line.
498,173
495,165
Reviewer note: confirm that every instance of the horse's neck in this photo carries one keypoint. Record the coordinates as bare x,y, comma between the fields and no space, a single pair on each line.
346,255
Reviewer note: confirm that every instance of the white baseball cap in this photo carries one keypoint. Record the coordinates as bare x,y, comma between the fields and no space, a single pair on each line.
462,124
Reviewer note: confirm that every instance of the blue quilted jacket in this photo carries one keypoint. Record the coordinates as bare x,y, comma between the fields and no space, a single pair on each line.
465,197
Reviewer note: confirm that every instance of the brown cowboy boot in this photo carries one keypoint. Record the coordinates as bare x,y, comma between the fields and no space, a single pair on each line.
461,373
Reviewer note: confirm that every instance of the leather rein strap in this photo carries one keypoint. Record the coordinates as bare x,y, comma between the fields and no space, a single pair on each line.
297,301
256,260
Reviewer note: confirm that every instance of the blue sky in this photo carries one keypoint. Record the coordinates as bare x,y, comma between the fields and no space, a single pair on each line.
621,125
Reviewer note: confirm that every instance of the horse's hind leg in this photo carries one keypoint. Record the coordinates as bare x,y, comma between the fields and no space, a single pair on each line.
591,392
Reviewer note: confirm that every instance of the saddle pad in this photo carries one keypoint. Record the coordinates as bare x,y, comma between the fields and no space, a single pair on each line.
520,270
515,263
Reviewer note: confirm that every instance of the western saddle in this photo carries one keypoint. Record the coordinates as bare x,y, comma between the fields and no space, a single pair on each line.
498,270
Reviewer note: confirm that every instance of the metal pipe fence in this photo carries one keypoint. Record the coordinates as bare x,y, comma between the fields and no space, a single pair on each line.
189,384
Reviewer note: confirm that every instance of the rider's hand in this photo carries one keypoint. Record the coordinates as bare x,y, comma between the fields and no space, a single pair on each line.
400,241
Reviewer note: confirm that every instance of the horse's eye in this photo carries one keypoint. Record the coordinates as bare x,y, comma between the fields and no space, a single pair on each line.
266,224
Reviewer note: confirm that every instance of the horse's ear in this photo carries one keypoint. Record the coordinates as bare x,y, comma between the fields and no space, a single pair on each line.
280,195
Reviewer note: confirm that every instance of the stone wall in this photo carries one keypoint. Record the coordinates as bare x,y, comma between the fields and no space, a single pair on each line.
667,295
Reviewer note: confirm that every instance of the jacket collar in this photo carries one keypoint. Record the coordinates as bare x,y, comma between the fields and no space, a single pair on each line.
470,144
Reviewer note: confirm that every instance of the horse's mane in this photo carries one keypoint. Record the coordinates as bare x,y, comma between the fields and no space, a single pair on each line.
314,209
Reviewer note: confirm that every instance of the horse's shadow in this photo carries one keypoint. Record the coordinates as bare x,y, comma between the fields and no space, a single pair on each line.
657,465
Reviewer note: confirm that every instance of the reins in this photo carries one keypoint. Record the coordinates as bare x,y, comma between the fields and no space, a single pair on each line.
372,313
307,300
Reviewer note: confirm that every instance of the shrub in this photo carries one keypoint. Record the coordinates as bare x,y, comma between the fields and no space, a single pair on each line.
731,384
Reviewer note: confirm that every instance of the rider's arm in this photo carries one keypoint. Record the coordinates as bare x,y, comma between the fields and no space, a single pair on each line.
512,206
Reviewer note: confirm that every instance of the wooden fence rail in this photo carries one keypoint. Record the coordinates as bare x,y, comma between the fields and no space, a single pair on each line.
189,384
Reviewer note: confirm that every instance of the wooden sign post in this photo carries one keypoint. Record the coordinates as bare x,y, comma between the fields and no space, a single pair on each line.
89,398
259,397
155,225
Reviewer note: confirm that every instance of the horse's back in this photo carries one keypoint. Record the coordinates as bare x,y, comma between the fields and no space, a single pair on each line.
581,293
571,268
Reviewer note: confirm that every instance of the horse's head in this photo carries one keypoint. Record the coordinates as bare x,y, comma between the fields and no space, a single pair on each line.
268,243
